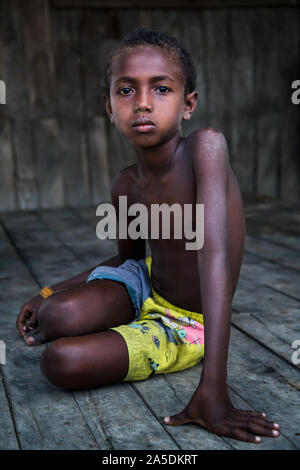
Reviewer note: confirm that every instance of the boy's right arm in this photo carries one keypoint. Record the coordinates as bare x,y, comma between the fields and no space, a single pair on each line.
127,248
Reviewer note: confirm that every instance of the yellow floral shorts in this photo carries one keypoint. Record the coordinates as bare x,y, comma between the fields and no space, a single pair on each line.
163,338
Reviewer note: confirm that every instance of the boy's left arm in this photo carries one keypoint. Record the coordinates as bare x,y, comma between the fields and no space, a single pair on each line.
210,405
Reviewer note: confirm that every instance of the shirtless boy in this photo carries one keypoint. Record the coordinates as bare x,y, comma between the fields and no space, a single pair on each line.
151,78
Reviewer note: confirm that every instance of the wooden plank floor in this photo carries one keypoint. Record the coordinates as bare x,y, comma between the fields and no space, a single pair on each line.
43,247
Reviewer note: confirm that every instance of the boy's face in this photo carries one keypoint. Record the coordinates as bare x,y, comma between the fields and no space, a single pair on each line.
147,84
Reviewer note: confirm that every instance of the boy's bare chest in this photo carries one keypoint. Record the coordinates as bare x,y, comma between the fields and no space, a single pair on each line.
166,200
178,187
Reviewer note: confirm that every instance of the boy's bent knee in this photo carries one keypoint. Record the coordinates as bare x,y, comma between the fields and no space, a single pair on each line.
59,363
55,315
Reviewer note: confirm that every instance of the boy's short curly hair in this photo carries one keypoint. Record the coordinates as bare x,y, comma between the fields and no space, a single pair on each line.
144,35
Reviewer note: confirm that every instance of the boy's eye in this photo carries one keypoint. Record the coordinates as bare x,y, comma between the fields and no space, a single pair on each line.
126,89
163,89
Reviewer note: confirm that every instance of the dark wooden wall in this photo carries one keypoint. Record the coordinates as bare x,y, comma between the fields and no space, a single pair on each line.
57,146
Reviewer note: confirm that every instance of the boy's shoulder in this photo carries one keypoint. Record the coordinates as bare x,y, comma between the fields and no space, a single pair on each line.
206,136
206,145
122,182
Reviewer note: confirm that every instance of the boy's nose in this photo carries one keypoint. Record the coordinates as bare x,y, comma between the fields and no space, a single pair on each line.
143,102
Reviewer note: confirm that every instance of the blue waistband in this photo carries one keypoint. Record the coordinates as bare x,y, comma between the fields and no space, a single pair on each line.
134,274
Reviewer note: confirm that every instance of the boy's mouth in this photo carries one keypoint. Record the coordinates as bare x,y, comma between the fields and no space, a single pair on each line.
143,124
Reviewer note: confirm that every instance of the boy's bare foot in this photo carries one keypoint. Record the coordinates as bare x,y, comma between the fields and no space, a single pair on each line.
35,337
28,324
27,319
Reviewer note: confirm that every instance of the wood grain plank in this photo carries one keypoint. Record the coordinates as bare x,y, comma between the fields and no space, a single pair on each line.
8,439
266,304
49,162
42,93
218,71
80,238
146,18
170,23
98,30
106,45
255,297
26,180
269,102
266,232
264,381
37,245
274,252
65,27
276,330
8,197
285,219
87,214
243,129
257,201
128,21
277,277
17,102
7,179
121,408
99,160
193,38
289,64
39,57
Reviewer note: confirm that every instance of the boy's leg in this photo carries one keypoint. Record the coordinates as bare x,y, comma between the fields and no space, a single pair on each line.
86,362
87,308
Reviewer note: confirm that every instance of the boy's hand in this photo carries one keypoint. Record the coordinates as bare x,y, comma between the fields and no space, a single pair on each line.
27,318
212,408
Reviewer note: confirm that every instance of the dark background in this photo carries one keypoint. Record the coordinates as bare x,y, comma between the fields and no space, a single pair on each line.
57,146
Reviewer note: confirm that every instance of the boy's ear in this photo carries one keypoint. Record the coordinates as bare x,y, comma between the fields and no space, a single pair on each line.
190,103
108,107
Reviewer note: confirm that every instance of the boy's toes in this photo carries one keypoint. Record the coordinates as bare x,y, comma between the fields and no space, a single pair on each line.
35,337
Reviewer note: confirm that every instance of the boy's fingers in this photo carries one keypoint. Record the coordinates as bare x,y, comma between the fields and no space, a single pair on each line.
258,428
178,419
182,418
261,422
253,413
242,435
